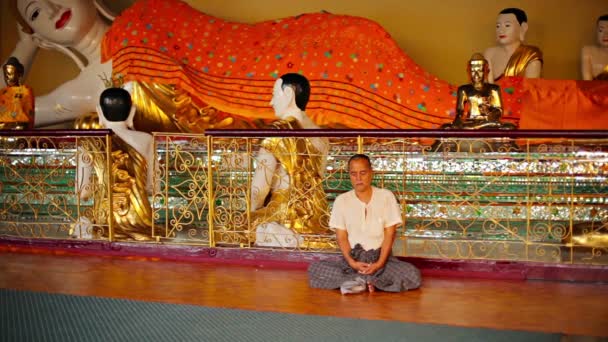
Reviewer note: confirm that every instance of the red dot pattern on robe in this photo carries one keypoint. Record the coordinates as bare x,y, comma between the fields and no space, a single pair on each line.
359,76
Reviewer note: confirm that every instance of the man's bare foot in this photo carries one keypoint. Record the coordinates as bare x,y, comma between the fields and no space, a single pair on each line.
371,288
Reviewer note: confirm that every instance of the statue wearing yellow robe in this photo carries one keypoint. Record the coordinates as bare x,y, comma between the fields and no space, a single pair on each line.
302,207
524,55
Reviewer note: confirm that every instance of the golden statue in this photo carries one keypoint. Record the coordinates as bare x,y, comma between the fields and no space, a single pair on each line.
479,103
132,170
594,58
287,196
478,107
16,99
510,57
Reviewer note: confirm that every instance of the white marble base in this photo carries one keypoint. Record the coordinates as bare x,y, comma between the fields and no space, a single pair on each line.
273,234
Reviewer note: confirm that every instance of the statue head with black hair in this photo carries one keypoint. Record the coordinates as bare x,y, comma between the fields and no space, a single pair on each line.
511,26
301,88
519,14
115,104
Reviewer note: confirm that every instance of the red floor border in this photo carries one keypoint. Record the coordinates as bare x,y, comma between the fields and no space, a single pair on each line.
276,258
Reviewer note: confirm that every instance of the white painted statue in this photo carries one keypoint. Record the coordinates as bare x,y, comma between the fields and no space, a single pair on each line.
132,156
278,220
594,58
511,57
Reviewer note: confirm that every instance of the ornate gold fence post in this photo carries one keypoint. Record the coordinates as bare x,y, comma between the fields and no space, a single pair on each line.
248,192
110,182
571,209
210,198
359,144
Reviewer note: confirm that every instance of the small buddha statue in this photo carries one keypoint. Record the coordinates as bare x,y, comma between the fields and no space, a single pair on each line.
479,103
594,58
16,99
511,57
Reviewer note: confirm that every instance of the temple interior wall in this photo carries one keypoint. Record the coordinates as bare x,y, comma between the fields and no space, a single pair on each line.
440,35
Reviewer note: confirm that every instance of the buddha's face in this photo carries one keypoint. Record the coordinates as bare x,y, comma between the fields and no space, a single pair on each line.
63,22
11,75
280,99
477,71
602,33
508,29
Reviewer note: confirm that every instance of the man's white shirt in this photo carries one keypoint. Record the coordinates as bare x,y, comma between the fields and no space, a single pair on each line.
365,223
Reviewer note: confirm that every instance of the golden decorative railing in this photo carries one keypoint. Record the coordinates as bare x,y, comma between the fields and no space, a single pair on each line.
39,183
498,195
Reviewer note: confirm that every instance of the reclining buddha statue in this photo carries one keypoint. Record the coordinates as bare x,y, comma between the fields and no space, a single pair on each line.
189,71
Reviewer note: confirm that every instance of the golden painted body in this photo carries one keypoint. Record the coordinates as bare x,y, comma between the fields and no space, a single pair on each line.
302,207
479,103
131,209
482,106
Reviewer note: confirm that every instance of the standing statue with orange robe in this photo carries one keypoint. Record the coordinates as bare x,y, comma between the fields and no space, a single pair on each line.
16,99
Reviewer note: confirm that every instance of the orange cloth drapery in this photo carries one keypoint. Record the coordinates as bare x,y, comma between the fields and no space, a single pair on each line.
359,76
564,104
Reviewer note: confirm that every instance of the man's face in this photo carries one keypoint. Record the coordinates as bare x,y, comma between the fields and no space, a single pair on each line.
508,29
361,175
477,71
280,99
63,22
11,77
602,33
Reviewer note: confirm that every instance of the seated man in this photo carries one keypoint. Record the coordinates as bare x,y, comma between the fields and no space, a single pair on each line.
16,100
511,57
479,103
365,220
290,172
594,59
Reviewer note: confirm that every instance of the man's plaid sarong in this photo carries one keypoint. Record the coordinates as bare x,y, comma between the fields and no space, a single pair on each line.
395,276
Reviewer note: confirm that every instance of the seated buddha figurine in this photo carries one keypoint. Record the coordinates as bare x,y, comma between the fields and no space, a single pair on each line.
287,195
594,58
510,57
479,103
16,99
132,169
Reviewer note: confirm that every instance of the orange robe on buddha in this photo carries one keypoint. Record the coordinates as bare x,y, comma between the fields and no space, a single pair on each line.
360,77
16,107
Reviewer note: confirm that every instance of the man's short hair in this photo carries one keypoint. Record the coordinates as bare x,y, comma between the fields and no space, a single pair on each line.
115,104
602,18
360,156
301,88
520,15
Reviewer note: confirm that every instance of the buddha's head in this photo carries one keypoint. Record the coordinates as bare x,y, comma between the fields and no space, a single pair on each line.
288,90
511,26
478,68
602,31
63,22
13,71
